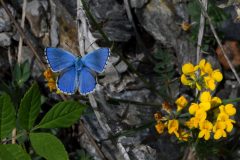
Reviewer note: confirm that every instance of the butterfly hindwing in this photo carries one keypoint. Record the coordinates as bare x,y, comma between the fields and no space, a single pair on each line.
97,59
67,81
59,59
87,81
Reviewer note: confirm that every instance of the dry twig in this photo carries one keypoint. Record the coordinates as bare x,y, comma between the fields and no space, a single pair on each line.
201,32
22,25
219,41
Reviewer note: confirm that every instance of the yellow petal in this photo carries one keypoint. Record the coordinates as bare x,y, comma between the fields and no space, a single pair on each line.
176,133
230,109
205,106
172,126
184,80
222,108
188,68
218,134
193,108
208,68
202,63
224,133
217,75
205,97
229,127
216,101
201,115
181,102
210,83
201,134
207,136
208,125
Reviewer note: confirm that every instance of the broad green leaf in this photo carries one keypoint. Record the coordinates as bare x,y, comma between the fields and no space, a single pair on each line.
48,146
29,107
63,114
7,116
13,152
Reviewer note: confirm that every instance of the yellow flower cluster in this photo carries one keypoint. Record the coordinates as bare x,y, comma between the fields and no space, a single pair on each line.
207,76
208,116
51,82
219,124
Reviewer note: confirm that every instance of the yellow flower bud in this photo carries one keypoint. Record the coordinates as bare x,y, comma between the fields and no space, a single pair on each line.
173,126
181,102
159,127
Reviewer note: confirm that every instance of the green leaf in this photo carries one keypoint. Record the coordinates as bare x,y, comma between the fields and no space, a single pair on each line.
25,73
29,107
48,146
13,152
63,114
16,74
7,116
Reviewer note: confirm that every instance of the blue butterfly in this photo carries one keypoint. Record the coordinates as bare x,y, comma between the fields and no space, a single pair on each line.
76,73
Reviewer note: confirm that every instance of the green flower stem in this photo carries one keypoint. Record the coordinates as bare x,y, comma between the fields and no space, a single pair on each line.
185,115
145,81
226,101
116,100
131,131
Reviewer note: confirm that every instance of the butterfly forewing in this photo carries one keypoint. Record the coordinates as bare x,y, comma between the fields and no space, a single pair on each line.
59,59
97,59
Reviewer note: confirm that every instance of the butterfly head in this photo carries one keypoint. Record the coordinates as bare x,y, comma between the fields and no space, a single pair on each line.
78,64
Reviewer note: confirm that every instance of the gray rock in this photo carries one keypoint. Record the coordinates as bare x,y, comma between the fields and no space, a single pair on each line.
113,19
132,118
122,85
129,141
5,39
54,26
231,27
27,55
37,17
121,67
161,19
5,22
111,75
113,59
144,152
138,3
71,6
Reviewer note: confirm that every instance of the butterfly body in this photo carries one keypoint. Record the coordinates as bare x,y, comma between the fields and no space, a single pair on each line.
76,73
79,64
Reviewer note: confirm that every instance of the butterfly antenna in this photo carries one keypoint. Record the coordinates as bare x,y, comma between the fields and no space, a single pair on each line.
90,45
